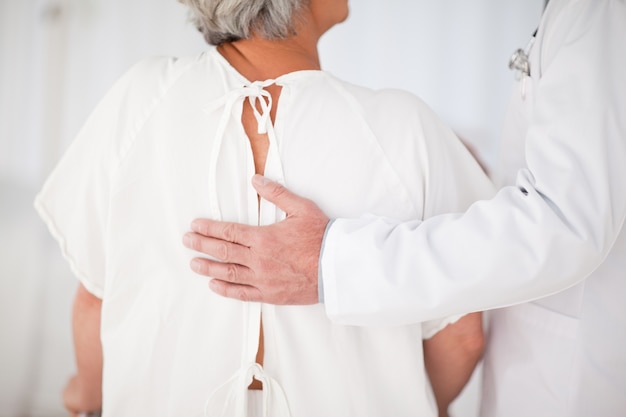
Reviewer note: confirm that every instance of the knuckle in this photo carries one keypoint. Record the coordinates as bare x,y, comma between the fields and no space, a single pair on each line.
278,190
222,252
242,293
228,232
232,273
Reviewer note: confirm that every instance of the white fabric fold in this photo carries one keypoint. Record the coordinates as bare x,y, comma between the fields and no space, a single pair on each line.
231,398
256,93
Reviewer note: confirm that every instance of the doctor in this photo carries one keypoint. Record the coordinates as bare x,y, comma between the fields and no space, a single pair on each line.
557,226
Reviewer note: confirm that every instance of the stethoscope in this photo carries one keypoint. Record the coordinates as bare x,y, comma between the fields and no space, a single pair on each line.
520,63
519,60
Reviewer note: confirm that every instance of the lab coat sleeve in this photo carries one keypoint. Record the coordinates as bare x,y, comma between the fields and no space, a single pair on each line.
546,233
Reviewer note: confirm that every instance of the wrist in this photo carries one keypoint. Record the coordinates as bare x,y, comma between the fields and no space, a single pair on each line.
320,277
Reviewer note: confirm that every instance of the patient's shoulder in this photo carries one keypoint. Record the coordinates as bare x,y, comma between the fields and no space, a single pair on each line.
151,77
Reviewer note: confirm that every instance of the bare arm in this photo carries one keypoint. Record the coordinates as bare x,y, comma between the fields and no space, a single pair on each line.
83,392
450,357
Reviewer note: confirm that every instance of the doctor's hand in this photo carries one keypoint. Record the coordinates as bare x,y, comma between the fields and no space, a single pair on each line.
274,264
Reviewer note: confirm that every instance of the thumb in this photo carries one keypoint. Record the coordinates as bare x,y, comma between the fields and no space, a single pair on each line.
278,195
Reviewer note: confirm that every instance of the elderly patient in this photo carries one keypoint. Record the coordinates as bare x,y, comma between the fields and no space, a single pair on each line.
180,138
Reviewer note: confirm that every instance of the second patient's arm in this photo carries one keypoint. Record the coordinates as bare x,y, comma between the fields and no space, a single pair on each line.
450,357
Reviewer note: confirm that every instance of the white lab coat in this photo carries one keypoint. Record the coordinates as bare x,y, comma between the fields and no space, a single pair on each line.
560,223
563,355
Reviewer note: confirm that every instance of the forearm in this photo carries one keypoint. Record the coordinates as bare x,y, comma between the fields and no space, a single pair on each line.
451,356
84,391
451,264
538,237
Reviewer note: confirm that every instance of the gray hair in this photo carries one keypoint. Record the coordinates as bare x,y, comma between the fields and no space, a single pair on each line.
230,20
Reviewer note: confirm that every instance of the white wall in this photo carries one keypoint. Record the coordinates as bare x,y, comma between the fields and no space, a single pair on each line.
452,53
58,57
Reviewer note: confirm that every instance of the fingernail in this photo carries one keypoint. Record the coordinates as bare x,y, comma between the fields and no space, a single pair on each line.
195,265
187,240
214,285
259,180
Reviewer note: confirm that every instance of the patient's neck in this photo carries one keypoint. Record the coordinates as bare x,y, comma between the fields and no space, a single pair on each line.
261,59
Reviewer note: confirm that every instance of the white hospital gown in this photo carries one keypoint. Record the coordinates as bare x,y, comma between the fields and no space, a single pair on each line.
166,145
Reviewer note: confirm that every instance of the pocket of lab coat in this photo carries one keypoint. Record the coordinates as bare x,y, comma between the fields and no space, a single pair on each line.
530,362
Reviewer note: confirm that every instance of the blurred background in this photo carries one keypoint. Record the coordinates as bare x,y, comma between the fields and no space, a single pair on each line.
58,58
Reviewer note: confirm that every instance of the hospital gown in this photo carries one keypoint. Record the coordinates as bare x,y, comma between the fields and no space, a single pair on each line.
166,145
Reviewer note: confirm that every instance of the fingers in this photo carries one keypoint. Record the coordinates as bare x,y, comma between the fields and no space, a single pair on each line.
275,263
223,250
238,292
237,274
231,232
278,195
